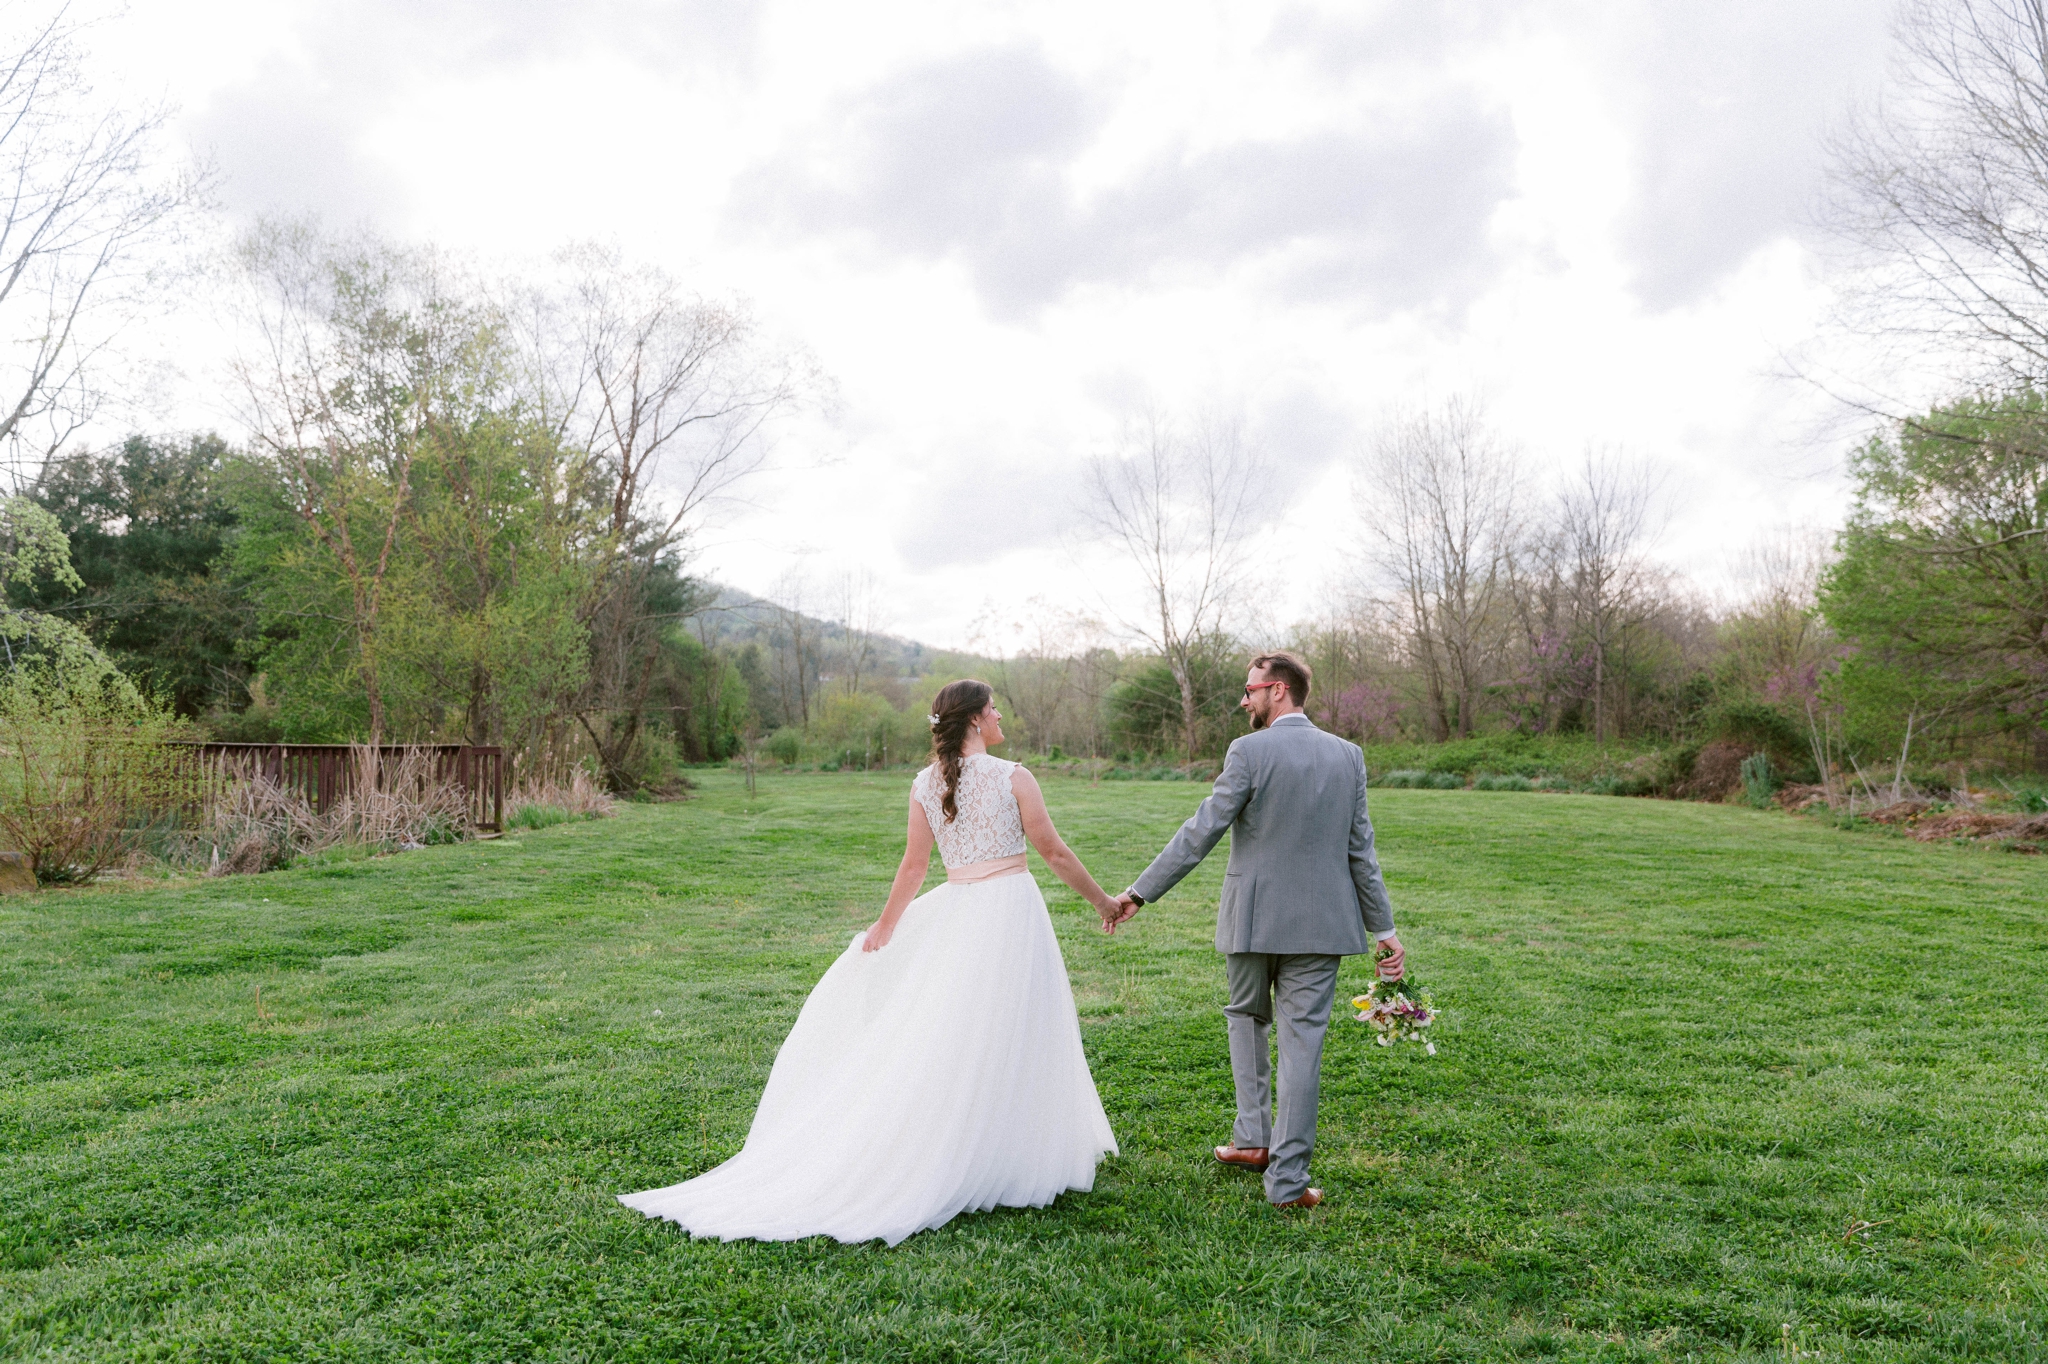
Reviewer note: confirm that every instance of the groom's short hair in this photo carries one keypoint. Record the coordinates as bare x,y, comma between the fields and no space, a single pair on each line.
1289,668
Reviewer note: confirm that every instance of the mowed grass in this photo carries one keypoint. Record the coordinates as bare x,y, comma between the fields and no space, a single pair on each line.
1705,1074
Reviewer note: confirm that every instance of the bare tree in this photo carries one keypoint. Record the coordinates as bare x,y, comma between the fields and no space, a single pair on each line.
1182,506
858,598
1097,670
1775,637
1941,190
1604,516
666,393
1438,492
79,206
1036,681
796,650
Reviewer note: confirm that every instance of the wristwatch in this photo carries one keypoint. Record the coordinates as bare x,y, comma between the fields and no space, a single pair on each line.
1136,898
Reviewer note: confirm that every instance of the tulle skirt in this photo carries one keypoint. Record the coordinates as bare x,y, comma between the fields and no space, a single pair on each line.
943,1074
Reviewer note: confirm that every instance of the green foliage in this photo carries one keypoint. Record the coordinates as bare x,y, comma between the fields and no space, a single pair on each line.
707,698
1498,781
1576,757
1145,708
478,637
786,745
148,524
1662,1104
863,730
33,546
1419,780
1937,589
86,773
1758,724
50,662
1759,782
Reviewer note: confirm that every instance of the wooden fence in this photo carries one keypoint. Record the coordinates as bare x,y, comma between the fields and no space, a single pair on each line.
324,773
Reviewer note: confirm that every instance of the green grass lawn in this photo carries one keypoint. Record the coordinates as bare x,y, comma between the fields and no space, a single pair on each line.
1685,1052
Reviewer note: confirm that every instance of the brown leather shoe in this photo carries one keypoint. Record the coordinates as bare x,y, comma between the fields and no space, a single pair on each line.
1308,1199
1245,1158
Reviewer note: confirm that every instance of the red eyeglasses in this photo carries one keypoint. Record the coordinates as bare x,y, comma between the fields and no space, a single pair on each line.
1275,682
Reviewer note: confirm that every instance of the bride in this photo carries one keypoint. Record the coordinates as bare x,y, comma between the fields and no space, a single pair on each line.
937,1068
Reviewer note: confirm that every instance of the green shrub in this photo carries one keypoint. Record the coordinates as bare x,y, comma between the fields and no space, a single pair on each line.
1759,783
786,745
2031,799
1416,779
1502,781
86,776
1577,758
1757,725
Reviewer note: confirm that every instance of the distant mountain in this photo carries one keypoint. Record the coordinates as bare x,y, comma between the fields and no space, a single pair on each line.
739,618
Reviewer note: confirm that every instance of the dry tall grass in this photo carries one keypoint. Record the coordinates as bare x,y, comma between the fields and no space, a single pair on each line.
254,824
535,803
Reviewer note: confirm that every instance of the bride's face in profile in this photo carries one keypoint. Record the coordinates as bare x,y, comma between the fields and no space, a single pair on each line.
990,723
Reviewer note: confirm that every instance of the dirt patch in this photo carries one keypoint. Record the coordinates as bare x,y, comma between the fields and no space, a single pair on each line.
1902,812
1716,773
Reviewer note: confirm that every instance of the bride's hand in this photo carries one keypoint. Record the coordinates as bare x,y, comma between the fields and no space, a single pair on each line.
878,935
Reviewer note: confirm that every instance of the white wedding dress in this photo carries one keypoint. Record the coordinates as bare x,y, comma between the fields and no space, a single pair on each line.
942,1074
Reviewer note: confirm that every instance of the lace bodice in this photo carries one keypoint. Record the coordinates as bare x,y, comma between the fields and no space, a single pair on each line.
989,824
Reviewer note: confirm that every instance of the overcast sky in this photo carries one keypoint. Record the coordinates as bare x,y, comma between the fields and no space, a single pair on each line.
1005,230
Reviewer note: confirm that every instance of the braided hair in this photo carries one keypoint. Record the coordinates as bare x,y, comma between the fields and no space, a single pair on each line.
953,712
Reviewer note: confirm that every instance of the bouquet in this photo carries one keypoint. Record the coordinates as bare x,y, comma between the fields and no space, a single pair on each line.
1398,1010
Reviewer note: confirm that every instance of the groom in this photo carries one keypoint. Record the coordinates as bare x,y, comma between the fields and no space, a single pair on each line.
1303,891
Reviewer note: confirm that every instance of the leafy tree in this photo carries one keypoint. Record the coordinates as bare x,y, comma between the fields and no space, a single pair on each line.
148,524
708,698
48,660
1146,712
1941,590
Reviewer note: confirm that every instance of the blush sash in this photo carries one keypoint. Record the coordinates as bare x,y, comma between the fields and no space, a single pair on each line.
987,871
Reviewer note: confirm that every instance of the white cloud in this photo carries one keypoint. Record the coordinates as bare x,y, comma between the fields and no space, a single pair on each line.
1003,228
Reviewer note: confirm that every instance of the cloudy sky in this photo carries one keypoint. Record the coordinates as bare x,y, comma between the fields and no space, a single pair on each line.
1005,231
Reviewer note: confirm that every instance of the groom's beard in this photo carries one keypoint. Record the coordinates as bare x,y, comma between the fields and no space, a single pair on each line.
1258,719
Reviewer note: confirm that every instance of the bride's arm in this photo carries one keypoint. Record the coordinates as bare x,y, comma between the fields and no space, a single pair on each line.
1038,828
917,859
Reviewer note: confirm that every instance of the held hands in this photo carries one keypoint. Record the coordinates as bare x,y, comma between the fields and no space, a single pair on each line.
1114,910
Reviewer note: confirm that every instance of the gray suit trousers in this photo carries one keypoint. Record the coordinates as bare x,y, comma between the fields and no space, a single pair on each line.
1298,986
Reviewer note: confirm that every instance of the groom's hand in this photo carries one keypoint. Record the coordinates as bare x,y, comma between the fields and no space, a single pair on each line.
1394,958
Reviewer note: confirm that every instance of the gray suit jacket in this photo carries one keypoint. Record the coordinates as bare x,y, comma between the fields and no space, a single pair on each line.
1302,875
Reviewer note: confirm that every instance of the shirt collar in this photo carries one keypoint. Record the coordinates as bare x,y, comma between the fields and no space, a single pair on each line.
1291,717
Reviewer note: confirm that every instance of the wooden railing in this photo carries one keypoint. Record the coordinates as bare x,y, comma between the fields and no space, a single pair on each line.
324,773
